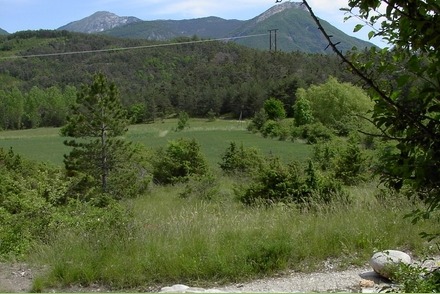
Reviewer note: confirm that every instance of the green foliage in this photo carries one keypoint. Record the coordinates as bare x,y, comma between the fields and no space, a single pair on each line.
202,187
404,85
351,164
219,76
96,124
416,278
258,121
28,194
333,104
344,160
277,183
174,240
325,154
312,133
239,159
274,109
271,129
182,121
137,113
178,161
302,112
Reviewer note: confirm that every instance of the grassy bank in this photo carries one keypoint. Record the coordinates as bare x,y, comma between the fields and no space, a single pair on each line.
175,240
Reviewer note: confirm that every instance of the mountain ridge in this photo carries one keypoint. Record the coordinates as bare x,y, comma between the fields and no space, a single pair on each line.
296,29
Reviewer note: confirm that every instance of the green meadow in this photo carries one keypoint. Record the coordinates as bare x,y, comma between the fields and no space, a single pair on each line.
46,144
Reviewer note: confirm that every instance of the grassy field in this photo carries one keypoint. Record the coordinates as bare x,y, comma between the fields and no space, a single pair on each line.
46,144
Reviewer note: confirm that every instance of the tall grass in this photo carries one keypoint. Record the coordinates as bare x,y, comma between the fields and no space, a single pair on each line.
196,242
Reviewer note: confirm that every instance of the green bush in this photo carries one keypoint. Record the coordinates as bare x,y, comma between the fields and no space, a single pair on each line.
178,161
277,183
274,109
240,159
352,164
416,279
274,183
204,187
182,122
36,202
325,153
271,129
258,121
312,133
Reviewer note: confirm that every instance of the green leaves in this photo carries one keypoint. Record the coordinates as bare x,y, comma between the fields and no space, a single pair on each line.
357,28
406,94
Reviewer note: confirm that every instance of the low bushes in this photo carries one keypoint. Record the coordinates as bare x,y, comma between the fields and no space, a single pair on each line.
278,183
179,160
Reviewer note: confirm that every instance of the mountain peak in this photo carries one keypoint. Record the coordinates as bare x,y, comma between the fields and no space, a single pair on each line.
285,5
98,22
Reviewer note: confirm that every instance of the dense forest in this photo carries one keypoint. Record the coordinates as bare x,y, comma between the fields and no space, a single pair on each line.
156,80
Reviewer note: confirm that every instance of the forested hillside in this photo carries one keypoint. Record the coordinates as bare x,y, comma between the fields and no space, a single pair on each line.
155,80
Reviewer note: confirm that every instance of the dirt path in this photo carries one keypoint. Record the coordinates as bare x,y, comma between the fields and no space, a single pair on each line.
18,278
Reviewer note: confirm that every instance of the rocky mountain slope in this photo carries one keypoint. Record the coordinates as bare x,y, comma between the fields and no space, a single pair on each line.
3,32
99,22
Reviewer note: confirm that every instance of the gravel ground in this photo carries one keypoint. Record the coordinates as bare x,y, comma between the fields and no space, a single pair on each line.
18,278
351,280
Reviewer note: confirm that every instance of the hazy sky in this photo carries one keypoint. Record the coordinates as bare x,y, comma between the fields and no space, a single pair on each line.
16,15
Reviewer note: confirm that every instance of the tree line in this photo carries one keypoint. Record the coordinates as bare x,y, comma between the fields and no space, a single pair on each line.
212,77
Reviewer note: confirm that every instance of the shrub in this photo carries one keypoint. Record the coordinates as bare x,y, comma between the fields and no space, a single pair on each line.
274,183
182,121
271,129
204,187
277,183
351,164
312,133
240,159
302,112
178,161
274,109
416,279
258,121
35,204
325,154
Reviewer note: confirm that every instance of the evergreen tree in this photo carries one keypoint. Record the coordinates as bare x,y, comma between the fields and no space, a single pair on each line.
96,123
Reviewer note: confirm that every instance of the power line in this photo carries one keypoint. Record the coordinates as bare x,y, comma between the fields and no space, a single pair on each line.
128,48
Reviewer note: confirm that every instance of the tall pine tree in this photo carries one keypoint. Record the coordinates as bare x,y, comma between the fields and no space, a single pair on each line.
96,124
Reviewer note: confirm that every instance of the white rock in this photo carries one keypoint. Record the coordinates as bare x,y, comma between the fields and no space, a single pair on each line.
179,288
382,262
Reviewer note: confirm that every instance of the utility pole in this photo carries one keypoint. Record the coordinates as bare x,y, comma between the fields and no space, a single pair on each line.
275,40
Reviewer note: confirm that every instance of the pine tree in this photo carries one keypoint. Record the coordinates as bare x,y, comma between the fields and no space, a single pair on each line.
96,125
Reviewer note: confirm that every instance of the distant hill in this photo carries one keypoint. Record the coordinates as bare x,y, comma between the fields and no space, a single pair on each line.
99,22
3,32
296,29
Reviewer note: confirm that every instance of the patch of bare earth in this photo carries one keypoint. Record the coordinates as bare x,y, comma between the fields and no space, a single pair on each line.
16,277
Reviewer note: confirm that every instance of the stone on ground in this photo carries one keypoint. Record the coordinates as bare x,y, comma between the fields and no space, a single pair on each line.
384,262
